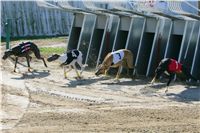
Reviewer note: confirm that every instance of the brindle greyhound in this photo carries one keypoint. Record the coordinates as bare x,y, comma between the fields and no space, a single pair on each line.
172,67
119,58
24,50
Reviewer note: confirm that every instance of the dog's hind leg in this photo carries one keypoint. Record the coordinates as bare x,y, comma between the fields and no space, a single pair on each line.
77,73
130,65
170,79
38,55
79,61
28,63
16,60
30,58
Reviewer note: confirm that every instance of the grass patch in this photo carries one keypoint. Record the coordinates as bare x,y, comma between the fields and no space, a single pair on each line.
46,51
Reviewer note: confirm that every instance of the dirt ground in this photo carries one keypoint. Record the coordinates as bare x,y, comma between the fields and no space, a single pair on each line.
43,101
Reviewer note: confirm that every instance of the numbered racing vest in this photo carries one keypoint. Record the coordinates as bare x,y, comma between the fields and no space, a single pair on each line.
174,66
117,56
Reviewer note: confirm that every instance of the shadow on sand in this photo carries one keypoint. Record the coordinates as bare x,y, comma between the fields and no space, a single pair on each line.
191,94
33,74
79,82
126,82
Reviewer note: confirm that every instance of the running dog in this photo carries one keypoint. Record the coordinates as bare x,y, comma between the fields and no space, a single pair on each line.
24,50
119,58
172,67
69,59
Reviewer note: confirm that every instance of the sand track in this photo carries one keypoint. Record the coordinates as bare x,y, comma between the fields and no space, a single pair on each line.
43,101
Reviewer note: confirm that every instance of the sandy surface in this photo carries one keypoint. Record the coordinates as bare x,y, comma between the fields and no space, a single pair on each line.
43,101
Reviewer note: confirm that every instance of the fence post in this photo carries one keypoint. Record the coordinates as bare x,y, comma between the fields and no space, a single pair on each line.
8,30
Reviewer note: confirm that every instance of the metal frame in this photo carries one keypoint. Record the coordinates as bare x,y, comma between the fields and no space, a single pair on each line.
159,45
196,60
168,40
90,43
117,44
151,31
87,31
102,42
184,41
175,39
135,35
153,47
140,44
180,35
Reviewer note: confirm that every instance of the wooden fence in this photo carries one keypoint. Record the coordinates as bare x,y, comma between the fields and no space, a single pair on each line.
28,19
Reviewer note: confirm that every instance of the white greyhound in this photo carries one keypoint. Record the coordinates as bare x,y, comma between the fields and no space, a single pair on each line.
69,59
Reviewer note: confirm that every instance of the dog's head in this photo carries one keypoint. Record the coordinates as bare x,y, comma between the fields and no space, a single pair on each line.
53,57
100,70
7,53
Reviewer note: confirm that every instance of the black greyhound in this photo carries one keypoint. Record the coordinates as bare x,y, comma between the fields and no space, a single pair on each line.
24,50
172,67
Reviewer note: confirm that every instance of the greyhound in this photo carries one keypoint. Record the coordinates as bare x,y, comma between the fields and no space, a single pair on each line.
119,58
172,67
24,50
69,59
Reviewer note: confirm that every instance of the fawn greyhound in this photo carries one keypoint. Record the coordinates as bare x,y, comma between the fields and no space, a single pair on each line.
24,50
119,58
172,67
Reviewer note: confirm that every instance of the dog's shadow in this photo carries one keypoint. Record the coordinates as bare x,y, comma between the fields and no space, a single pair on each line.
125,81
190,94
33,74
82,82
152,89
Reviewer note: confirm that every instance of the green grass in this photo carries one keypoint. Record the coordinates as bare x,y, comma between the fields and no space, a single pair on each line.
46,51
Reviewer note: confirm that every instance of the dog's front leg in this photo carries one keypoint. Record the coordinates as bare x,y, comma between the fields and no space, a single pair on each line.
65,72
118,73
170,79
106,72
153,80
16,60
166,90
77,73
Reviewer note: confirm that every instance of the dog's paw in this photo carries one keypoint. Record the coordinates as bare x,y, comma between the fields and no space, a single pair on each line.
30,69
116,80
79,77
